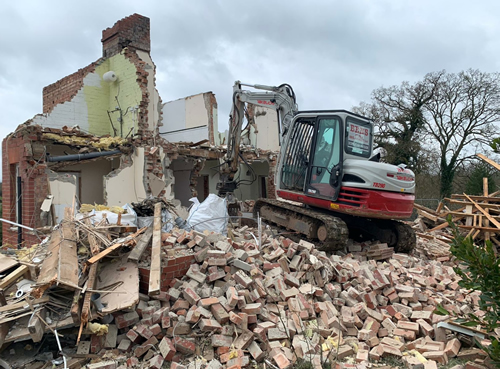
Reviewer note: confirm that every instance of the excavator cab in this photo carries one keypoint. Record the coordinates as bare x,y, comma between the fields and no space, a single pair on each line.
314,152
327,170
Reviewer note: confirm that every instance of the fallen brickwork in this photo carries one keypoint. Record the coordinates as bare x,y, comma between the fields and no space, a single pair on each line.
228,302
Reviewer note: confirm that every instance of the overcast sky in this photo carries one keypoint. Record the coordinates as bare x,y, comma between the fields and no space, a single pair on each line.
334,53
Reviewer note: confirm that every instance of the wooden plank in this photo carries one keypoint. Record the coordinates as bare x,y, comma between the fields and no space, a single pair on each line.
437,228
22,332
141,246
155,271
4,331
470,215
486,229
23,304
424,235
489,161
486,222
124,242
35,326
86,300
3,301
468,218
427,215
92,276
61,264
13,277
490,218
6,263
477,198
75,307
424,208
483,204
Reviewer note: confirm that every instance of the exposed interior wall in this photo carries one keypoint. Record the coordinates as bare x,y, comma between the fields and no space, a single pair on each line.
211,171
182,169
64,187
126,185
91,174
131,105
191,119
253,191
99,106
123,107
264,134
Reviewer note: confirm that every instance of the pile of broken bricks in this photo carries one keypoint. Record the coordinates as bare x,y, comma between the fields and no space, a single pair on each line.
281,302
285,302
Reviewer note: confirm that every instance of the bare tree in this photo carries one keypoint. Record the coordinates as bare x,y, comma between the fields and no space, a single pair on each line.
454,115
398,115
462,115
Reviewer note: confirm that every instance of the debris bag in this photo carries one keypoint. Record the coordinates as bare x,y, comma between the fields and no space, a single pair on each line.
166,220
209,215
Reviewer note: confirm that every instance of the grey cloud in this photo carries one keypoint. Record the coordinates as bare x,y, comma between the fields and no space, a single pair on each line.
334,53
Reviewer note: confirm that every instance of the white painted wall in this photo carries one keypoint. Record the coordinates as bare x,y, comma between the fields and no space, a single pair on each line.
64,188
187,119
251,192
196,111
187,135
126,185
267,137
213,174
73,112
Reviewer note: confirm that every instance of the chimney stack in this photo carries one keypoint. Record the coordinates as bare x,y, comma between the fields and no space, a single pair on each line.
131,32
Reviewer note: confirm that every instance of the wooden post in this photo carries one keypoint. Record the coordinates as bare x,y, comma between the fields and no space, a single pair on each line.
155,271
486,221
36,327
141,246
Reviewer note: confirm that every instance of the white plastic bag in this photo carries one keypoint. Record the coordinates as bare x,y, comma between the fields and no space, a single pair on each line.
210,215
129,218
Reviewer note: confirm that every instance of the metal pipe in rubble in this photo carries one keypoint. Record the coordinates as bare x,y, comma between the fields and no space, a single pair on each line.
78,157
16,224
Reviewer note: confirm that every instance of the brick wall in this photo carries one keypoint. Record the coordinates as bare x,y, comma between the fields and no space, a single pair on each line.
131,32
34,186
65,89
271,186
175,268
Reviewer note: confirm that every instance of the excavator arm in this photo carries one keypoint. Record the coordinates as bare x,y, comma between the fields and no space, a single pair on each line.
280,98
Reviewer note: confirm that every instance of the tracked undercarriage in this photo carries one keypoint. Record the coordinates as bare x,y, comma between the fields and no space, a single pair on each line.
331,233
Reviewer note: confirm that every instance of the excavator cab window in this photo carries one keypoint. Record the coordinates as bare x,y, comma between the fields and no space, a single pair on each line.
358,138
324,176
297,155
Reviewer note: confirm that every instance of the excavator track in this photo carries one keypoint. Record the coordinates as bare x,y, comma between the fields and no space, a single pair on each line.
329,233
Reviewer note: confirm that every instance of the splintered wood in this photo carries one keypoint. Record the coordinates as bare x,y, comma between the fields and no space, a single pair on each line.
60,265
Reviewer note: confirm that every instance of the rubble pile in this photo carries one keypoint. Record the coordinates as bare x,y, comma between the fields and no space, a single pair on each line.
234,302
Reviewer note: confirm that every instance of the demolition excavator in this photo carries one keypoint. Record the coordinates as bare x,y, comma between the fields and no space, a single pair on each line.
329,185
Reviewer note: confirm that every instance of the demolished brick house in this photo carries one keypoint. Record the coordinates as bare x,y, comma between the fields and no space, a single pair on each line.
105,137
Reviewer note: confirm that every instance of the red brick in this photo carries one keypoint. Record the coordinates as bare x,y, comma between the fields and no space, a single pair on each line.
209,325
133,336
220,313
167,348
184,346
156,362
142,349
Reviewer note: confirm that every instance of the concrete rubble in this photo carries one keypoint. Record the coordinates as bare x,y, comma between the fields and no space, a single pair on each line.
148,299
